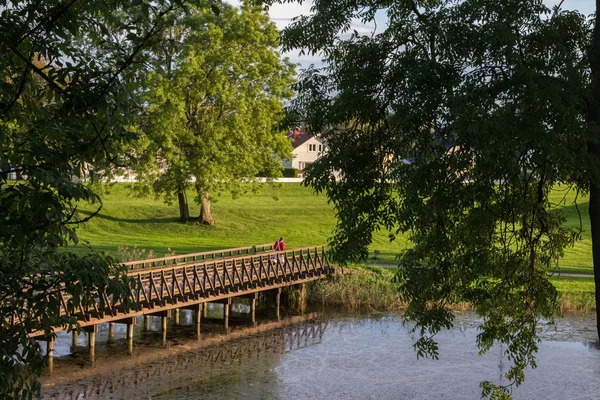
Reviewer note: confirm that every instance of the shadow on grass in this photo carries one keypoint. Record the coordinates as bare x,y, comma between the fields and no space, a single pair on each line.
134,221
570,211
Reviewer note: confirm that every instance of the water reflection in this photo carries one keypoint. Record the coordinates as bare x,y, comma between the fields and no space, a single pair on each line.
327,356
152,366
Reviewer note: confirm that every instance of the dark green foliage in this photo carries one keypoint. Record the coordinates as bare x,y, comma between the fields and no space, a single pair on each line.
451,123
290,173
68,93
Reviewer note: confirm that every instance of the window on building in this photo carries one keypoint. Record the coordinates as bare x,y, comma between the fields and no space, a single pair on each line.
312,147
320,148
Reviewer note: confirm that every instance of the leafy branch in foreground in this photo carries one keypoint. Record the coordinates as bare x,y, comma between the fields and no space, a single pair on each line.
451,123
69,78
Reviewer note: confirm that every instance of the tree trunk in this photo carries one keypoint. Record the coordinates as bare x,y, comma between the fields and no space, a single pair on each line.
184,209
594,150
205,216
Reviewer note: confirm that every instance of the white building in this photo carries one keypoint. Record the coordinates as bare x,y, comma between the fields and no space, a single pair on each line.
307,149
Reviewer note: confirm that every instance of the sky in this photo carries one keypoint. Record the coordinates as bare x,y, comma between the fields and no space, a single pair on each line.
282,15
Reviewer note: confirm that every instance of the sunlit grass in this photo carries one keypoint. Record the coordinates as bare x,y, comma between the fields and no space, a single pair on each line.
288,210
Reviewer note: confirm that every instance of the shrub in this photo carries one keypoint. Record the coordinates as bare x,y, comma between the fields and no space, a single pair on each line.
290,173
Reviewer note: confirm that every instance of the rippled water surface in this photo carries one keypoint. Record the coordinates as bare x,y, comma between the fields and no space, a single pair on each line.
320,356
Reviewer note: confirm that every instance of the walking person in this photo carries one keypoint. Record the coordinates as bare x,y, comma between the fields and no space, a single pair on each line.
279,246
276,247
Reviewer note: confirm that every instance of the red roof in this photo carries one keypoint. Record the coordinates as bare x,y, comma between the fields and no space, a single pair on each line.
298,137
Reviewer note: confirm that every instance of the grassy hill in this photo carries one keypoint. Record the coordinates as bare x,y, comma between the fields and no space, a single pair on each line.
289,210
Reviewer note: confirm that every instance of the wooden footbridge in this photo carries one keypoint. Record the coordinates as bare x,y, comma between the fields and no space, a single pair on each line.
163,286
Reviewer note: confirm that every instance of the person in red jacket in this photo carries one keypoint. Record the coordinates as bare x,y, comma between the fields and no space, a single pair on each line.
279,245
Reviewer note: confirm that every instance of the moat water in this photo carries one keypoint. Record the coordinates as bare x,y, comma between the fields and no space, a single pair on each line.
322,355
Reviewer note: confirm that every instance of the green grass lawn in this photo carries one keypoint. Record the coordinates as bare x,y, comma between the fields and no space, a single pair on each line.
289,210
573,284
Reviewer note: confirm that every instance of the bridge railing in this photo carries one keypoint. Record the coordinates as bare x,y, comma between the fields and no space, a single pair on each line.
200,280
187,258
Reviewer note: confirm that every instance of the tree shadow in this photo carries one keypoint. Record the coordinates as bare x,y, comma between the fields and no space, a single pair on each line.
572,213
133,221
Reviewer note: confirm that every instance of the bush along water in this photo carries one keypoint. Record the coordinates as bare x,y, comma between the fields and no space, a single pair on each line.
357,288
361,287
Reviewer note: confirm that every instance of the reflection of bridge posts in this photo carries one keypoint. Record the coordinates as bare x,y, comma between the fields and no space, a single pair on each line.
177,367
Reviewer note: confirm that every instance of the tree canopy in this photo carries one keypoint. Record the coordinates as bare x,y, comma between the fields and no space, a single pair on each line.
452,121
69,74
213,104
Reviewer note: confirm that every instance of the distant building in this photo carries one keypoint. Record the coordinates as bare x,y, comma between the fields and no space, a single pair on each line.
307,149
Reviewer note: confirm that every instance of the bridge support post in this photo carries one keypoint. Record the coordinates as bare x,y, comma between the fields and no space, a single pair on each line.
303,297
278,303
197,314
92,330
74,339
111,330
253,309
226,313
163,325
205,310
146,323
177,316
130,326
197,317
50,353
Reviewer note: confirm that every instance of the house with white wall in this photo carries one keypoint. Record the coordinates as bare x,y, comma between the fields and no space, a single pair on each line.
307,149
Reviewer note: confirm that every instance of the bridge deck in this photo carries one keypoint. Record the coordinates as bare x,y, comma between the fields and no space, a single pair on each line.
193,257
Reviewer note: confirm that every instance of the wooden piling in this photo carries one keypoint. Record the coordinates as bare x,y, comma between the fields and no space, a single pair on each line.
226,314
303,297
74,339
50,353
130,330
177,313
197,314
147,323
111,330
92,330
278,303
164,321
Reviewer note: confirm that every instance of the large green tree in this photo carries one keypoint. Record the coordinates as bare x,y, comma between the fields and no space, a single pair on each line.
213,106
69,73
452,122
